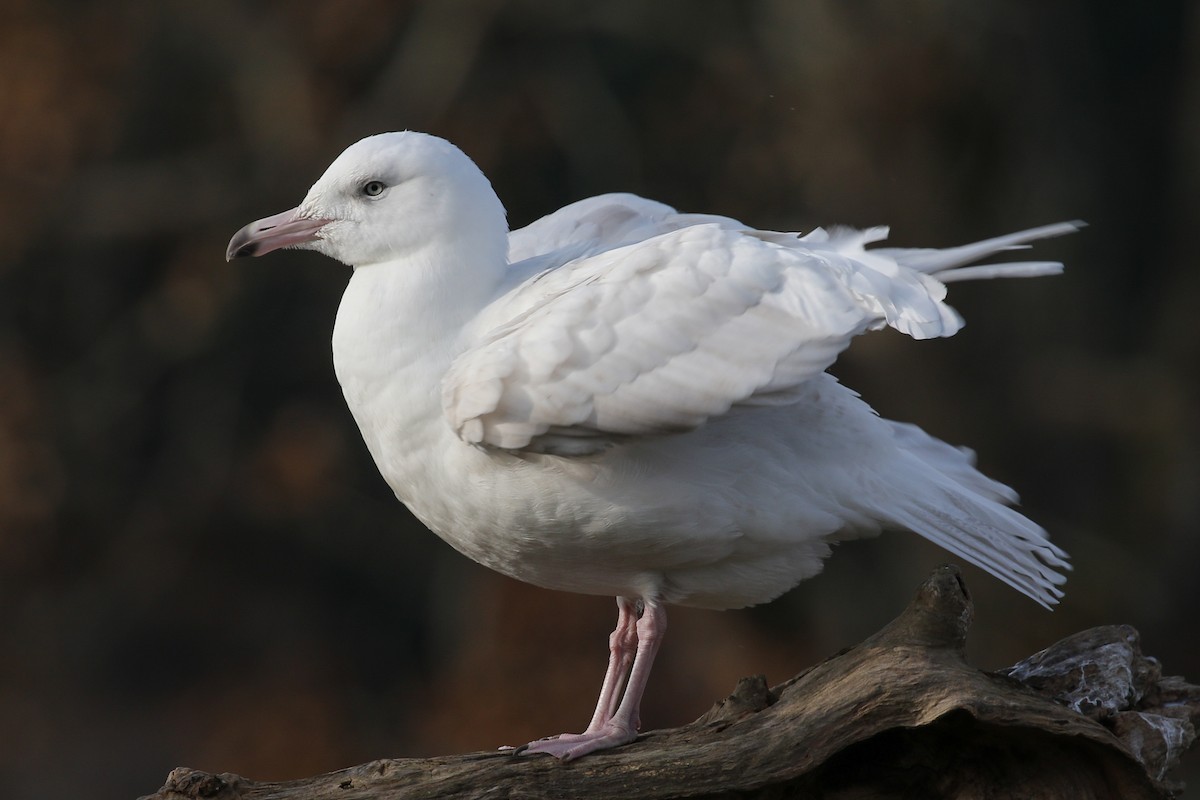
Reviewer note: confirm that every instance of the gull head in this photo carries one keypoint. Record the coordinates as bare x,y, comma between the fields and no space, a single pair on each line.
387,198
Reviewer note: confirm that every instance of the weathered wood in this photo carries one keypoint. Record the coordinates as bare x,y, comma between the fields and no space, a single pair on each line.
900,715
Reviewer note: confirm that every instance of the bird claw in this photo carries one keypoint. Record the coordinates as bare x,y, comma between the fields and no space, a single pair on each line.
569,746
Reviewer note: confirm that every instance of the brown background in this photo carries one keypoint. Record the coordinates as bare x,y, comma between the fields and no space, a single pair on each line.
198,562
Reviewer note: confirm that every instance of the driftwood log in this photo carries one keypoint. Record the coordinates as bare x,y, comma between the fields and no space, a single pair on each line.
901,715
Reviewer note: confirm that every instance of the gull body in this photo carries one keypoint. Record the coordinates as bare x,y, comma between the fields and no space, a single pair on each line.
621,399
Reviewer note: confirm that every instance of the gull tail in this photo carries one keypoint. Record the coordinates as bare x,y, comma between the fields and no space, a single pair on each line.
947,264
957,507
906,285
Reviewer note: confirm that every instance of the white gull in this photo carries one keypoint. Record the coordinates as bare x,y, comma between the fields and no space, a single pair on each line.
621,399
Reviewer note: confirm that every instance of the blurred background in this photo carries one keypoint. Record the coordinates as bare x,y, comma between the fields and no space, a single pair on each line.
199,564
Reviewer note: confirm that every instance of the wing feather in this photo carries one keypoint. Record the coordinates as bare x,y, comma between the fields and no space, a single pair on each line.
634,320
651,338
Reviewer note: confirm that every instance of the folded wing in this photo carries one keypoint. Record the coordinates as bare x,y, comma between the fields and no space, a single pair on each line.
647,322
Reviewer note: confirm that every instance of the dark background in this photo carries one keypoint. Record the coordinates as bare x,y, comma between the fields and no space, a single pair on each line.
198,562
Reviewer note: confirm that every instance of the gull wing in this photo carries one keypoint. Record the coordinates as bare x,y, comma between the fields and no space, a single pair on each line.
635,320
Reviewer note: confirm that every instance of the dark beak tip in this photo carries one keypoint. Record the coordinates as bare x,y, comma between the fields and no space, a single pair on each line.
241,251
287,229
241,246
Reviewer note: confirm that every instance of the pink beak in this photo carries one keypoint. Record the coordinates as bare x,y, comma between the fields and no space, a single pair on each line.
282,230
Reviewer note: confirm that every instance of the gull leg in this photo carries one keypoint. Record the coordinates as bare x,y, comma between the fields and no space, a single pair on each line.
622,647
612,727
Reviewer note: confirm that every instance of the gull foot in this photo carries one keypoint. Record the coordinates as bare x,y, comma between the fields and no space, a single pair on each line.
569,746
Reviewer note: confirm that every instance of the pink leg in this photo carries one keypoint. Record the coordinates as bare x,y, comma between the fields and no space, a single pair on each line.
622,646
616,723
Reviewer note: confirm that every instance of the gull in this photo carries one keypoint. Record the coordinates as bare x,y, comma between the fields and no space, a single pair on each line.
621,399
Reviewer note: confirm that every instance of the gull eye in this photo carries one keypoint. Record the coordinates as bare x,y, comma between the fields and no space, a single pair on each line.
373,188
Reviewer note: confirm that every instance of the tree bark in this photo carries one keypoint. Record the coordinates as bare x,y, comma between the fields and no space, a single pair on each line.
900,715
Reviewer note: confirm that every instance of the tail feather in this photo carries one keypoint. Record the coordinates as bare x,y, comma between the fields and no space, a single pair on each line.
1012,269
1016,551
936,491
913,280
940,263
957,507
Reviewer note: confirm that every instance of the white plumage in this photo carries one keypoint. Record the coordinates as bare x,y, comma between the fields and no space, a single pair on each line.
621,399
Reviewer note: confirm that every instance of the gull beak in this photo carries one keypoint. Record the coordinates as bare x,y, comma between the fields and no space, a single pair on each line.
289,229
